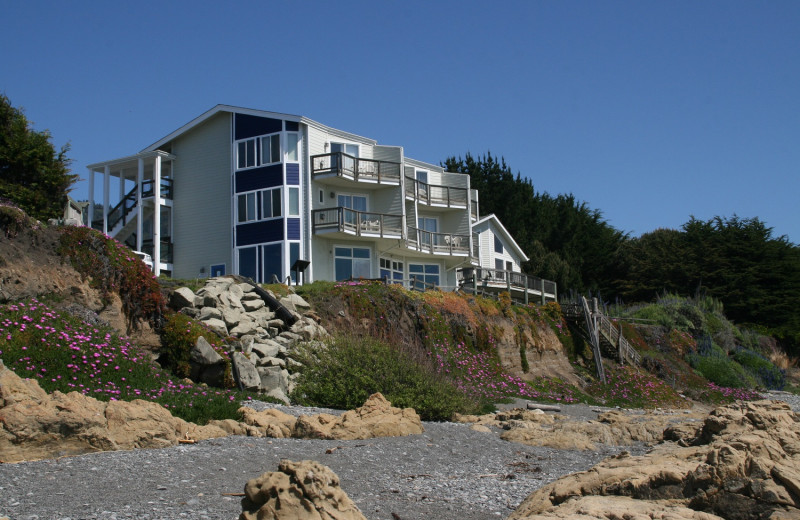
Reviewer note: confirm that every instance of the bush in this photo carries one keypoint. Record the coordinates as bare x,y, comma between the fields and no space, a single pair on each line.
768,375
718,368
178,336
346,371
113,267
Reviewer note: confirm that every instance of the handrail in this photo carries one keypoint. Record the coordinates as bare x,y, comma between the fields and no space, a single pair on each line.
590,326
357,222
345,165
517,280
435,193
121,210
447,243
605,327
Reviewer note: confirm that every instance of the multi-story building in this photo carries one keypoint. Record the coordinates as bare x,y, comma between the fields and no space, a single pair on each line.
262,193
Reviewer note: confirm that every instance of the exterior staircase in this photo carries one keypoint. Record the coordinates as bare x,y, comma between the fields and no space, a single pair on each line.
601,332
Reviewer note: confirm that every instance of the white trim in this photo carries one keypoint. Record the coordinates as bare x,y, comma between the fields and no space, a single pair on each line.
505,234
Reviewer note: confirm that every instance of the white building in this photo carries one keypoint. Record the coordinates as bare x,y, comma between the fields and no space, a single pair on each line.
252,192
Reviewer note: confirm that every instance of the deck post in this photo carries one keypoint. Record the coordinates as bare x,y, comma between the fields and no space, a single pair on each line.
474,282
544,298
525,289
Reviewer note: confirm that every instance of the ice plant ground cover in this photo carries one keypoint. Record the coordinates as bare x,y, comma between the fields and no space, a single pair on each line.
63,353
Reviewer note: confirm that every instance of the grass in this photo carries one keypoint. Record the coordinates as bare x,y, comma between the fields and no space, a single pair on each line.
65,354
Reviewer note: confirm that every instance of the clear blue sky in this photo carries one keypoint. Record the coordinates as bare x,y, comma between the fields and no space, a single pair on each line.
648,111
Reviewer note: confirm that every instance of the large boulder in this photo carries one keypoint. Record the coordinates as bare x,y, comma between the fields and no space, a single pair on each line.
304,490
740,465
245,371
36,425
376,418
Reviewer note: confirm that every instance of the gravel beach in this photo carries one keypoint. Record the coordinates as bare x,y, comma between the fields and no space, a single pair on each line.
449,472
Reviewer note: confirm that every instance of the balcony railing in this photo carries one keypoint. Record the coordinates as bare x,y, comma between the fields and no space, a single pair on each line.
441,243
435,194
359,223
355,168
503,279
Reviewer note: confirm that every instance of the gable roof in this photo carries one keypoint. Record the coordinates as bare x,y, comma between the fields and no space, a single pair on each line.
208,114
492,220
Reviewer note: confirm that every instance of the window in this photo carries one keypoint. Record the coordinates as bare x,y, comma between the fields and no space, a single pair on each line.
428,226
321,197
247,207
271,149
351,262
248,262
294,255
391,270
270,203
498,245
267,201
353,202
258,151
294,202
498,265
261,262
427,273
291,147
246,154
344,162
217,270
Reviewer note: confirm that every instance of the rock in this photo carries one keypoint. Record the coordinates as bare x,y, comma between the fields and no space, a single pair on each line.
274,382
246,371
740,466
217,326
204,354
231,316
376,418
304,490
181,297
253,305
243,328
38,425
272,422
207,313
266,348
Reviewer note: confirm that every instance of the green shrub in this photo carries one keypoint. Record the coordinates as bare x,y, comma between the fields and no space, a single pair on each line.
718,368
346,371
112,267
767,374
178,336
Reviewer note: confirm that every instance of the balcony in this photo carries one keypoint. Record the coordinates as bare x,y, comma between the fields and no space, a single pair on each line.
438,243
435,194
357,223
520,285
340,165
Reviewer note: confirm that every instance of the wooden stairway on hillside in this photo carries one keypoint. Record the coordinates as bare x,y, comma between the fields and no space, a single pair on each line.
601,332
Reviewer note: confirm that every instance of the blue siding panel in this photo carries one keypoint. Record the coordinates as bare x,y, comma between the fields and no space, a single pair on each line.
292,174
293,228
259,232
259,178
251,126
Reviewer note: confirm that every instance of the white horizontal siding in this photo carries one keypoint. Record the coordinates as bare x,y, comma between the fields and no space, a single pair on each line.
202,197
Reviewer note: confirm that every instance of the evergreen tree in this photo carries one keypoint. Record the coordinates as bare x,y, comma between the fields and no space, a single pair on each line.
33,174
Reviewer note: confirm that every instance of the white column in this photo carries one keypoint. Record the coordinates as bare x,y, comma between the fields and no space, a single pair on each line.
106,176
91,196
121,184
157,216
139,205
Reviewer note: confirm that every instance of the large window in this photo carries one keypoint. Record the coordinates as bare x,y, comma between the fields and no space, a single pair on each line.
262,262
498,245
259,205
391,270
428,226
351,262
427,273
258,151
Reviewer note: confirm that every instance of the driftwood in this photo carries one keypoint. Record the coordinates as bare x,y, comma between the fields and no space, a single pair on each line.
283,314
544,407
